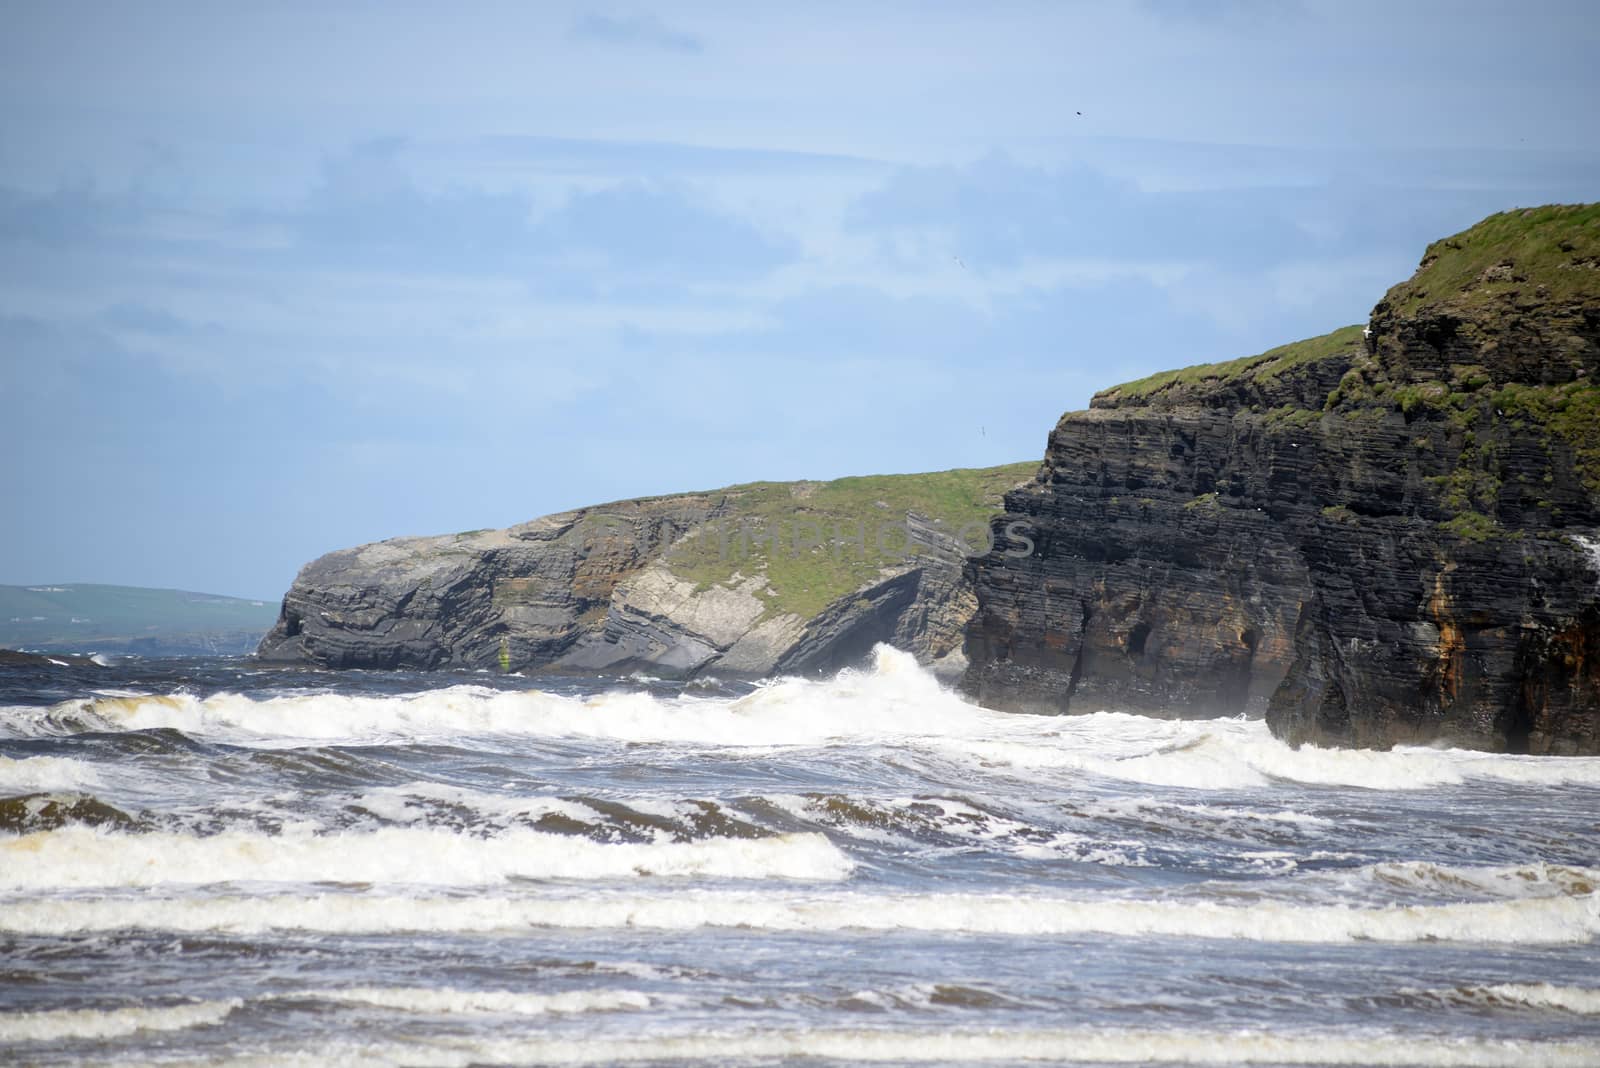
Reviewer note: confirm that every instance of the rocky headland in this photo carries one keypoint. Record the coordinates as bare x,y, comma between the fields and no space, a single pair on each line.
1388,534
770,577
17,658
88,617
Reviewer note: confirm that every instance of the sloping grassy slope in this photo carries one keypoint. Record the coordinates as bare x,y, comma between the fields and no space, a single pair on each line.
816,541
1551,251
1263,366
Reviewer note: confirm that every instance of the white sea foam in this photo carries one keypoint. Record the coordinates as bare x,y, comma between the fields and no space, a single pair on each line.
43,773
78,856
1241,754
1418,883
894,703
1180,815
494,1002
1064,1046
894,700
1533,921
62,1024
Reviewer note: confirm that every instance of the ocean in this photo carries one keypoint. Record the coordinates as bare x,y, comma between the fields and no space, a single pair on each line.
211,862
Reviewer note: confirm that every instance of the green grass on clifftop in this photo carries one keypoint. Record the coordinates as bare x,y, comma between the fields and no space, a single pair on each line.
816,541
1552,252
1266,365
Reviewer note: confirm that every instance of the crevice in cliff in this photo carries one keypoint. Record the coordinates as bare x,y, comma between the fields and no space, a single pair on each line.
1136,638
1083,645
1520,729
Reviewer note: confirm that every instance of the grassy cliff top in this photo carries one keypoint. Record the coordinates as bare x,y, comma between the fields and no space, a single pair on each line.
816,541
1261,367
1551,253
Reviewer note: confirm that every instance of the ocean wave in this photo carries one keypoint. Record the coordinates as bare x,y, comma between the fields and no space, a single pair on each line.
79,857
1409,882
37,812
894,703
858,1045
932,823
445,1001
1503,881
64,1024
603,819
44,773
1533,921
1580,1001
895,699
1174,815
1239,754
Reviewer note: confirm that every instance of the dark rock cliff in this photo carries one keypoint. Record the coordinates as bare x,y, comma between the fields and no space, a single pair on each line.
1372,537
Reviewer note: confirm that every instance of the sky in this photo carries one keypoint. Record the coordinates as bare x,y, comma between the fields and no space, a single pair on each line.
277,279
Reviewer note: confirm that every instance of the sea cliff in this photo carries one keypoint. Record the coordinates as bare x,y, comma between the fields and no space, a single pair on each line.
1384,535
763,578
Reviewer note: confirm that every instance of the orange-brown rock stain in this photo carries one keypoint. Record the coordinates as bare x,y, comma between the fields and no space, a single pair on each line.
1450,664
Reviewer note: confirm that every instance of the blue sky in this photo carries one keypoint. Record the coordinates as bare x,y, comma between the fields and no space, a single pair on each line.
278,279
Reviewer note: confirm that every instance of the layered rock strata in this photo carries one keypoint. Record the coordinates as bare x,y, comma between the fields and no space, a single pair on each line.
1385,535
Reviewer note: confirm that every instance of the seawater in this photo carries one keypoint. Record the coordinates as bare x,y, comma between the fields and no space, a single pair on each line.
211,862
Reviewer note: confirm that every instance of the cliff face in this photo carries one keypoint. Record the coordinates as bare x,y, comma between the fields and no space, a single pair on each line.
1373,540
750,580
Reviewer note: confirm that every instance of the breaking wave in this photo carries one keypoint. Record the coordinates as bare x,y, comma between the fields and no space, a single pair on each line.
451,876
1581,1001
57,1024
861,1045
893,703
1532,921
78,857
42,773
432,1000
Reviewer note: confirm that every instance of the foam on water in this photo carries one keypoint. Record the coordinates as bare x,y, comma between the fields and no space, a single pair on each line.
78,856
416,801
1514,881
780,866
1062,1046
1533,921
437,1001
895,699
1186,815
896,702
907,824
61,1024
45,773
1239,754
1582,1001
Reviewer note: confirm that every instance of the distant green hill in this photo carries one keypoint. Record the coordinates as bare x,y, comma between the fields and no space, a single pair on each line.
86,617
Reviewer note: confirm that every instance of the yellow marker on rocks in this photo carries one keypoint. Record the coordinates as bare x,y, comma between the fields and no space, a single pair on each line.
505,656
